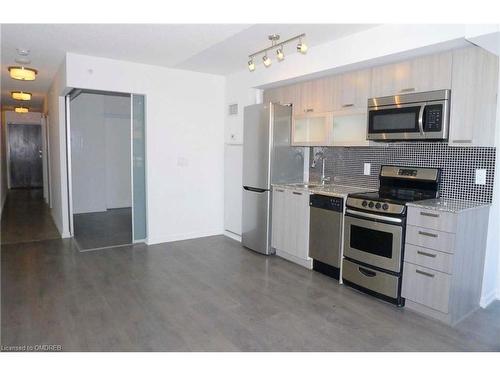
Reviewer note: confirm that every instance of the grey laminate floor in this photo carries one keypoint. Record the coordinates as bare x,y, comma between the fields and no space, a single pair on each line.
207,294
103,229
26,217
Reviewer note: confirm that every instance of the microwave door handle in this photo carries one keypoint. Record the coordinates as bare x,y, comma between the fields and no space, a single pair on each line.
421,119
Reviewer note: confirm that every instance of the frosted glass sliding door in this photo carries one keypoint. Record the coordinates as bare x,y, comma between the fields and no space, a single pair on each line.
139,166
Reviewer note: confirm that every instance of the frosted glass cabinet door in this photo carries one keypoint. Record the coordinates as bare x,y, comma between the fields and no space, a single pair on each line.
139,167
312,130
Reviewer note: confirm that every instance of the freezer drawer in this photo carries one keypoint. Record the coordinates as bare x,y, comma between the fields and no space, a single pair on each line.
255,221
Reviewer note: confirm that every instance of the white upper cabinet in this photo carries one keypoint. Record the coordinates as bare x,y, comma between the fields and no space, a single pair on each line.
314,96
349,129
426,73
312,129
352,90
329,111
473,97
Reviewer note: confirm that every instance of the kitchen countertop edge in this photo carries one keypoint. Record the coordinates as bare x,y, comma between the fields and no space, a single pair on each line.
448,205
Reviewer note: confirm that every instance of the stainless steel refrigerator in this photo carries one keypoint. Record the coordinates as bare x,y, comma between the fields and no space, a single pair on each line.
268,158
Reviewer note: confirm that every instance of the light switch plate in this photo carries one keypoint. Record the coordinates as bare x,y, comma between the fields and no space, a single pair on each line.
480,178
367,169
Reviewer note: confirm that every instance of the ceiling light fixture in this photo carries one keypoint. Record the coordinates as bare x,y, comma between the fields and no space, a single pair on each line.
21,73
20,95
302,47
21,110
251,65
267,61
280,54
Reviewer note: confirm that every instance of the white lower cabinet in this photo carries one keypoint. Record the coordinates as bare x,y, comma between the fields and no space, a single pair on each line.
443,262
290,225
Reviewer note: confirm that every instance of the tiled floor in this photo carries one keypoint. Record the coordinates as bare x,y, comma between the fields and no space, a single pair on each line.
103,229
207,294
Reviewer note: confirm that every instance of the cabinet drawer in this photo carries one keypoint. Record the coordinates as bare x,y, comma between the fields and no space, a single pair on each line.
438,220
430,238
421,256
426,286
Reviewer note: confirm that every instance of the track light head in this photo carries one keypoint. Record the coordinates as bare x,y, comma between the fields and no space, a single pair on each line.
302,47
267,61
251,65
279,54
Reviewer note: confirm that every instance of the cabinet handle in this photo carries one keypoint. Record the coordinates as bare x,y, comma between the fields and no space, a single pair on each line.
347,105
424,273
309,110
462,141
427,234
408,89
428,214
296,193
426,254
280,190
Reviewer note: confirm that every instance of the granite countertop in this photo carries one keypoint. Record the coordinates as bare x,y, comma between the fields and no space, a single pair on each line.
334,190
448,205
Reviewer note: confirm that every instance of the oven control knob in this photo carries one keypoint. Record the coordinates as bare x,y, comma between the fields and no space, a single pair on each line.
364,204
370,204
385,206
377,206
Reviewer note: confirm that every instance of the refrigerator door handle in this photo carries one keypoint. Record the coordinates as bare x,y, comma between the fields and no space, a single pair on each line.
255,190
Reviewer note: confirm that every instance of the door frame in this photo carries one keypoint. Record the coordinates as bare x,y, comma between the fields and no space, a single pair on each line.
73,93
7,147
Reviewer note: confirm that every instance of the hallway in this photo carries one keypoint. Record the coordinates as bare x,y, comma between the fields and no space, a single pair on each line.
26,218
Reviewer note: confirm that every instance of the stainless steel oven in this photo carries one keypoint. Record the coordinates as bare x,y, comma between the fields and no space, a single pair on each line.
416,116
374,240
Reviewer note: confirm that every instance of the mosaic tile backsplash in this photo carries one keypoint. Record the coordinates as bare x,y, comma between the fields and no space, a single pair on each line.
345,166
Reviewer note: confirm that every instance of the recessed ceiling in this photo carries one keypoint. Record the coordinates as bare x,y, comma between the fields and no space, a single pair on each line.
231,54
211,48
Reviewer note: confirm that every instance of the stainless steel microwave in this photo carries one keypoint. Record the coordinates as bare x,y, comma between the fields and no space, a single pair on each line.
416,116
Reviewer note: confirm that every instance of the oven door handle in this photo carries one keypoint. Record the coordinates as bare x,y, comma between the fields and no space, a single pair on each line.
374,216
421,119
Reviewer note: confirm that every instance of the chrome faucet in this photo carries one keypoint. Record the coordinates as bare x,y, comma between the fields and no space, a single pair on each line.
316,158
324,179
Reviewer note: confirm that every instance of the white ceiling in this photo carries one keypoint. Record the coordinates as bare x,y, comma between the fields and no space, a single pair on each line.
211,48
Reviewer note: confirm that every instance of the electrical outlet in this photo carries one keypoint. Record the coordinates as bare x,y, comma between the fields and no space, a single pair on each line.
367,169
480,178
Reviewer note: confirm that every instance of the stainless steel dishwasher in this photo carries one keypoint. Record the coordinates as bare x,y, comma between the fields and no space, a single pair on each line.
325,233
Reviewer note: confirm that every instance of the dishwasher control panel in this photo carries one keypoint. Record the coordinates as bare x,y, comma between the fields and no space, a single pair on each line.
327,202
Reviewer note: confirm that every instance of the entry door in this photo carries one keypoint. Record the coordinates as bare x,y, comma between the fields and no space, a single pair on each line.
25,144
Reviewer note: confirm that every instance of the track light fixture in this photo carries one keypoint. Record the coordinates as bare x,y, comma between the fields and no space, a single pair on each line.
279,54
267,61
251,65
279,48
302,47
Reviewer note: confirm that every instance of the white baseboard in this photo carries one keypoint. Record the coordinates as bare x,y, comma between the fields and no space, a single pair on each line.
232,235
181,237
488,298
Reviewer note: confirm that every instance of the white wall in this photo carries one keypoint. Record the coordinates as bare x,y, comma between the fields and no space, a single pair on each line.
184,136
55,108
